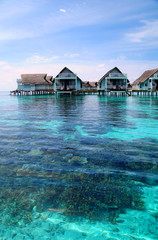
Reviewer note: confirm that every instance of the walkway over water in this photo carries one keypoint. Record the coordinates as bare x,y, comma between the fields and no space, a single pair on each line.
91,91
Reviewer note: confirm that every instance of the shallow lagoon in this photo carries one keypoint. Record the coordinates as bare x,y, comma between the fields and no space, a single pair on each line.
80,167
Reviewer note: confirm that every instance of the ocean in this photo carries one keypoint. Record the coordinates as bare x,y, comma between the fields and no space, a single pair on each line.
78,168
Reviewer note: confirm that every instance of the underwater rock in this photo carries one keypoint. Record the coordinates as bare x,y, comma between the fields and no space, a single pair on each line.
151,166
19,236
13,234
78,160
69,234
26,172
35,152
68,156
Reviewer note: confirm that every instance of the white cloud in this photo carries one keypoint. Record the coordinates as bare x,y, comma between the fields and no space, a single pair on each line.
78,14
85,13
74,55
62,10
40,59
101,65
7,77
149,31
15,34
28,19
71,55
2,63
7,67
36,59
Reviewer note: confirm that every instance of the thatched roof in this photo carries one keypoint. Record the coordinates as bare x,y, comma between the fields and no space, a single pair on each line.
93,84
107,74
49,80
90,84
65,68
33,79
147,74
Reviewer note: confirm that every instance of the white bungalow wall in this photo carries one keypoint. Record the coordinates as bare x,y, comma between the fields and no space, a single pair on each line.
102,85
43,87
144,85
27,87
66,74
107,82
79,84
121,80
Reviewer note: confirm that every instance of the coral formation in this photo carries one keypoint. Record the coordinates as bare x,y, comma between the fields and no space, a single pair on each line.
93,196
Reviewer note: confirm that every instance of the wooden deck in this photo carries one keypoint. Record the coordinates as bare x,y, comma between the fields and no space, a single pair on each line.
144,92
31,93
114,92
86,91
63,92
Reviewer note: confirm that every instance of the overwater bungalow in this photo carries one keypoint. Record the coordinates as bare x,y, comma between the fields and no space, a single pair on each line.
67,82
113,80
147,81
34,84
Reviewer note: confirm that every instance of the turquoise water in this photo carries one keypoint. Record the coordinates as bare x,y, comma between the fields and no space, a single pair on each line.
78,168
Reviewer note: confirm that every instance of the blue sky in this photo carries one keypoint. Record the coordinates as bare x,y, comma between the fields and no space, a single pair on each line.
89,36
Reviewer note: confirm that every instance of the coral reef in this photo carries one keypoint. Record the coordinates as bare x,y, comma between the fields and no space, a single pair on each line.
16,205
93,196
99,196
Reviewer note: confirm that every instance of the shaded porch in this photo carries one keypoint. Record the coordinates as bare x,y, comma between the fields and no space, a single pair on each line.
155,84
66,84
116,84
